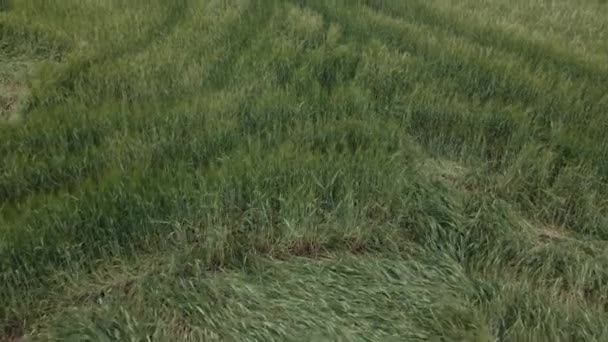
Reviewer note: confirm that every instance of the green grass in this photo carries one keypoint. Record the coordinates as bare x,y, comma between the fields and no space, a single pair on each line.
303,170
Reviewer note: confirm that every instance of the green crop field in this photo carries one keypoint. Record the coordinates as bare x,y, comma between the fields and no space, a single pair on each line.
303,170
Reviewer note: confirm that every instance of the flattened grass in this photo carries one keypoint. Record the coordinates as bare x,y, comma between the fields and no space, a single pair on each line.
242,170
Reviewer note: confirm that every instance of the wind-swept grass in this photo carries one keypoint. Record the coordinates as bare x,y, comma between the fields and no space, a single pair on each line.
288,170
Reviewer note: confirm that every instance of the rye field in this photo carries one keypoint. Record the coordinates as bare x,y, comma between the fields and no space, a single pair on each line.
303,170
